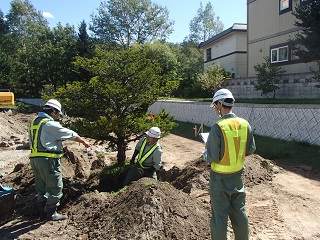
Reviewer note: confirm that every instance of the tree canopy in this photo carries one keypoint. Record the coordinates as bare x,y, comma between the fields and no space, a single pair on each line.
133,21
113,105
213,77
268,75
205,24
306,42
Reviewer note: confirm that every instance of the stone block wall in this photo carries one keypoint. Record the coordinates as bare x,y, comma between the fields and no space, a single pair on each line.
302,85
287,122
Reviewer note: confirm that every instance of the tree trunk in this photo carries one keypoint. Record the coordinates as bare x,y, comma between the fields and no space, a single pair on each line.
121,155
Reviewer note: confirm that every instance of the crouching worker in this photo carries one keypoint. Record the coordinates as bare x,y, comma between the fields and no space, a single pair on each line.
149,155
46,137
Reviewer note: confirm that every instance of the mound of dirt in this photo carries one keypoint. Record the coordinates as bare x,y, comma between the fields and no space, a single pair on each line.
147,209
175,207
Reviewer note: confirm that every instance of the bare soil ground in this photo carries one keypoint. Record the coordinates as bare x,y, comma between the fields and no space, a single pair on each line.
283,203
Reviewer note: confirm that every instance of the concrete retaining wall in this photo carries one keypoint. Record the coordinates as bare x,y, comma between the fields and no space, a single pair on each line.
287,122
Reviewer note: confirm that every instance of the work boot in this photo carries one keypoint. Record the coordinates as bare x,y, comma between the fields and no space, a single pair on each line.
41,211
52,214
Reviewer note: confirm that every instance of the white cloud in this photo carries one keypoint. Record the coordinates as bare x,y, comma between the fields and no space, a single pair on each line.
47,15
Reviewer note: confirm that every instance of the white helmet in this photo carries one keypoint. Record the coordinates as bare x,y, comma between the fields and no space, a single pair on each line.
154,132
53,103
221,95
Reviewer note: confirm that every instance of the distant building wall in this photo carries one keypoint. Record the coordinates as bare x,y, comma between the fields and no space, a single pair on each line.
287,122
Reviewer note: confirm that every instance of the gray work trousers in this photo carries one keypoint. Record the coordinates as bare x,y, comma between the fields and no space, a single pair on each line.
136,172
48,179
228,197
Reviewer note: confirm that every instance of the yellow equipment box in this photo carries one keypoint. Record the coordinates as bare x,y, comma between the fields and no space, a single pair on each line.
6,98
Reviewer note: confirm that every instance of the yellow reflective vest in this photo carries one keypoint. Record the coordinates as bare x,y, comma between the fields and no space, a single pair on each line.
235,135
37,150
141,157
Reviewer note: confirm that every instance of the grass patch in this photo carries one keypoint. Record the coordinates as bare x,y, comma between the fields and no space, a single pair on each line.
286,152
187,130
289,152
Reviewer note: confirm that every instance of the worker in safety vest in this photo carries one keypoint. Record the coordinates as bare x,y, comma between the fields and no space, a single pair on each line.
46,137
230,140
149,155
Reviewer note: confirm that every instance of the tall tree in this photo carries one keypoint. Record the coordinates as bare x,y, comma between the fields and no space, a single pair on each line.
84,42
25,25
131,21
6,48
204,25
113,105
86,49
57,52
190,59
306,42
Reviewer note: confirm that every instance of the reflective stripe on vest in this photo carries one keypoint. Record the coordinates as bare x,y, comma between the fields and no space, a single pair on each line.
35,140
141,158
235,133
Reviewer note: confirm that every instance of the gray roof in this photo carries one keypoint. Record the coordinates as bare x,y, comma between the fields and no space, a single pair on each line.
237,27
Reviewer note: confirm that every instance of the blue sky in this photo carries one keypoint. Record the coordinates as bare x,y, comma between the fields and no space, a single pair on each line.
181,12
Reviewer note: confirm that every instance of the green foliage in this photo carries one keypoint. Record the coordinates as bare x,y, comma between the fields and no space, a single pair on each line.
112,177
101,156
268,74
204,25
86,48
149,184
38,55
134,21
213,77
113,105
47,92
26,108
190,59
306,42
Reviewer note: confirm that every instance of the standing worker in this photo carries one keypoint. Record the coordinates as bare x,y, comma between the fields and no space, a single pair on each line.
46,136
149,159
230,140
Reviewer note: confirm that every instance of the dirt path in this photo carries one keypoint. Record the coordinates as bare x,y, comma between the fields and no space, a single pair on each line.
288,207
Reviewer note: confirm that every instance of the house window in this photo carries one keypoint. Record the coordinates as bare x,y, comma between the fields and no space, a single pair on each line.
279,54
208,53
284,4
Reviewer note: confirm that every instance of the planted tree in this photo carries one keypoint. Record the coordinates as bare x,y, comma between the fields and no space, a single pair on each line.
268,75
213,77
113,106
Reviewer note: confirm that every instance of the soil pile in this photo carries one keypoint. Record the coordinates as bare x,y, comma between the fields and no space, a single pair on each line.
176,207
